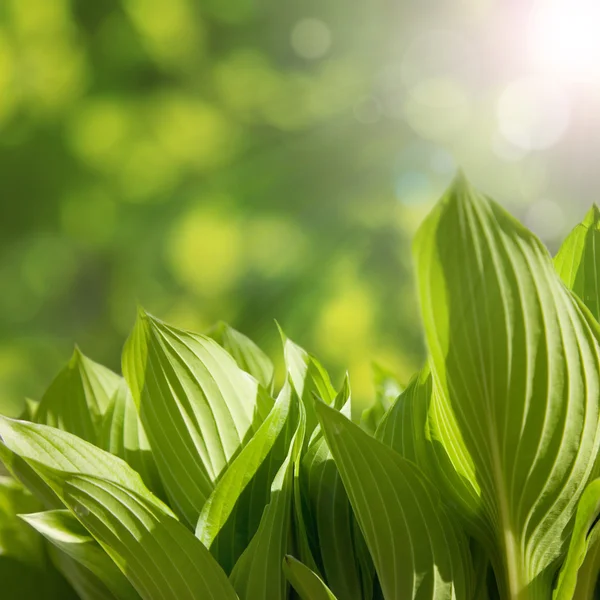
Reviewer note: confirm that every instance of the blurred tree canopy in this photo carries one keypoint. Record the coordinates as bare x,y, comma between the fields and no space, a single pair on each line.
208,160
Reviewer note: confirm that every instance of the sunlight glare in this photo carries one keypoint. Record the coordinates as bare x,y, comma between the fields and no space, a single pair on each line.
564,39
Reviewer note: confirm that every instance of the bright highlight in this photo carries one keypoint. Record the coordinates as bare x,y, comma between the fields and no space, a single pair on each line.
564,39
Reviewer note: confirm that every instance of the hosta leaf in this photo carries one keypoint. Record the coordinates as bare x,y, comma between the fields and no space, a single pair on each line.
42,446
78,398
515,381
405,426
331,518
197,407
420,430
587,577
307,583
582,541
84,583
578,261
417,550
258,572
387,389
16,539
159,556
123,435
25,571
309,379
232,514
247,354
96,569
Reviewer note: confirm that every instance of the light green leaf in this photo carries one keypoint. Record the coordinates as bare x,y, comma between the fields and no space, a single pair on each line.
25,571
588,511
515,376
387,389
78,398
247,354
56,450
307,583
232,514
417,550
309,379
578,261
16,539
123,435
197,407
331,520
589,572
258,572
159,556
95,569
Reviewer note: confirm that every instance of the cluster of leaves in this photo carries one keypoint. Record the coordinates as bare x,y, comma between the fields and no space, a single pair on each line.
189,478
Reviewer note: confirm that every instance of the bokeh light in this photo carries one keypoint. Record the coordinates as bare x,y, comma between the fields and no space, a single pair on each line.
252,161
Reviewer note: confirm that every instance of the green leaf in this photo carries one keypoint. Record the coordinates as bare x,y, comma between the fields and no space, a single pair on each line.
309,379
16,539
417,550
578,261
515,376
587,577
54,450
96,570
387,389
330,515
232,514
123,435
25,571
159,556
307,583
258,572
197,407
78,398
588,511
246,353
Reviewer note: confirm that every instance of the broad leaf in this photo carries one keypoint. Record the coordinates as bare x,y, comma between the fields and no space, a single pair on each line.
417,550
330,516
232,514
582,541
159,556
123,435
589,572
258,572
25,571
309,379
515,382
416,428
96,570
307,583
78,398
578,261
247,354
197,407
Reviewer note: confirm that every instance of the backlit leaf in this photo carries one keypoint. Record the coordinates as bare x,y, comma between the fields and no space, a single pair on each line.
417,550
197,407
578,261
308,584
515,376
232,514
78,398
68,535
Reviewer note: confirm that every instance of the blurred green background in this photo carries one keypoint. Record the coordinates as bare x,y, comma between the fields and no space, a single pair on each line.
252,160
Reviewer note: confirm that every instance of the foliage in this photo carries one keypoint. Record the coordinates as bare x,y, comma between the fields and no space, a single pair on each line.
196,476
